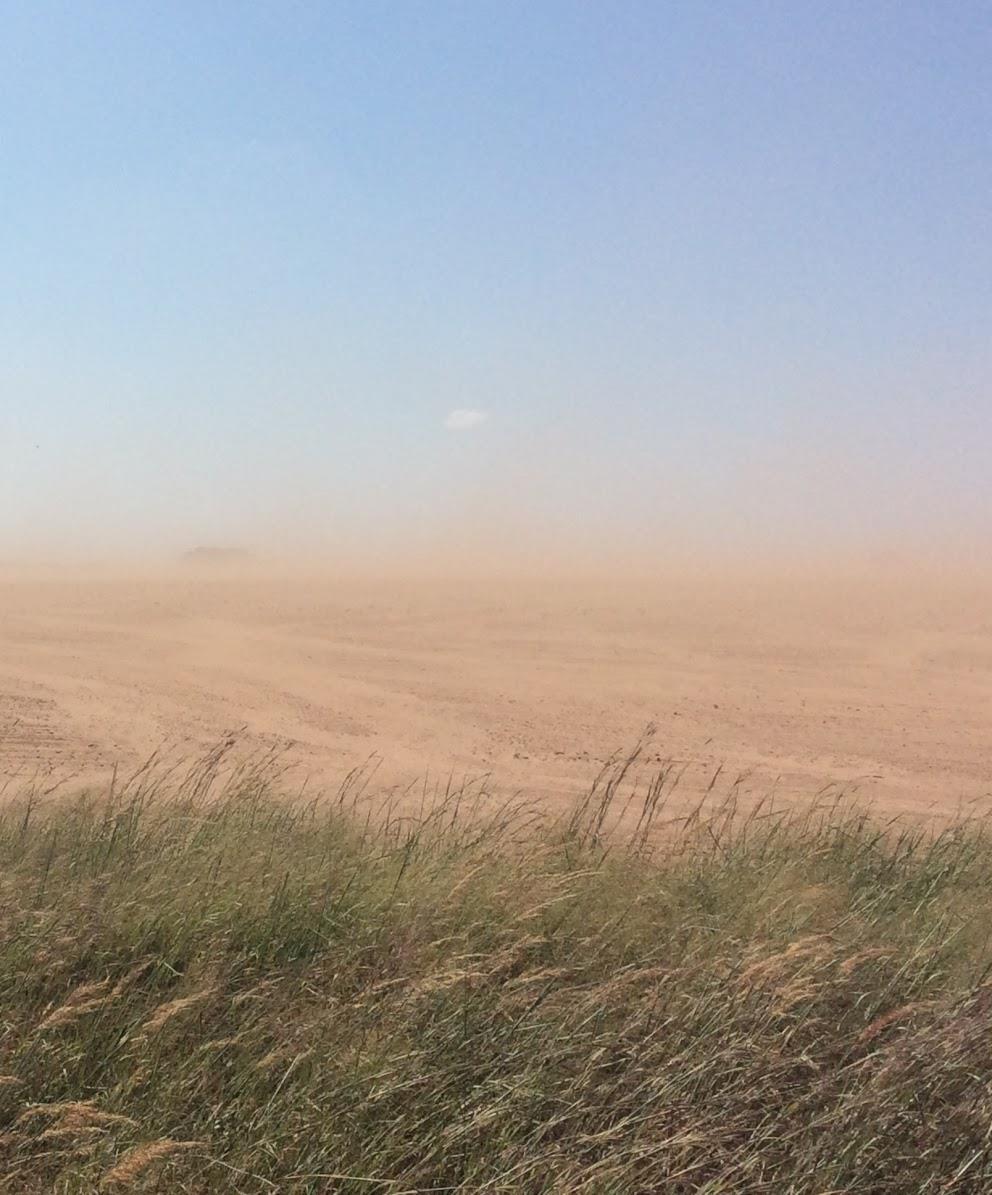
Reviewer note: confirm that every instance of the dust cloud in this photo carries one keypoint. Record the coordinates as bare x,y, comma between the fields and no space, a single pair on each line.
869,670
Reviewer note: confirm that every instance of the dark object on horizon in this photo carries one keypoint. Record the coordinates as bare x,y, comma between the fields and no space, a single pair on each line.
211,556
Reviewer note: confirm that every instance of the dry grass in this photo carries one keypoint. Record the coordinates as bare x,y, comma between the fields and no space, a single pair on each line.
206,987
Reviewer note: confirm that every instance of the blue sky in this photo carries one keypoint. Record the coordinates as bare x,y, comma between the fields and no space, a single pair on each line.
725,267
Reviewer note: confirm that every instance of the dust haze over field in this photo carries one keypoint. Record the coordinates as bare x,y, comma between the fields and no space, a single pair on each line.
876,677
517,376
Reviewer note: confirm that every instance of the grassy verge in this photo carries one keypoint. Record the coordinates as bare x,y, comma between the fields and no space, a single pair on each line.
206,990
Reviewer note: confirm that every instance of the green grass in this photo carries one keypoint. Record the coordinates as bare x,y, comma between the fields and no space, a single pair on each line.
206,985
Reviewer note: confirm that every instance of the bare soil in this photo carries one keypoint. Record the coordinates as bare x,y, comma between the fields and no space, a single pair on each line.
881,683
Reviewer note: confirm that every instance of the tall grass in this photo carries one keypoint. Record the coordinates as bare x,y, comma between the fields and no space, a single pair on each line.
208,986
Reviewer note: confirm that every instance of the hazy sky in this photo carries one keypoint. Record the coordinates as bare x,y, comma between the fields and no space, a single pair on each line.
284,271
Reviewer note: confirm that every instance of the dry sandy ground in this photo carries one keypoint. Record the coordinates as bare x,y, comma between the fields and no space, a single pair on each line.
879,683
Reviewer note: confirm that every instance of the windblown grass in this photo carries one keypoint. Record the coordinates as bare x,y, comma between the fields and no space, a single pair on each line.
205,986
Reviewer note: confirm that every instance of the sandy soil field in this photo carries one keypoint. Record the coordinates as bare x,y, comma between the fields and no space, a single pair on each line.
883,684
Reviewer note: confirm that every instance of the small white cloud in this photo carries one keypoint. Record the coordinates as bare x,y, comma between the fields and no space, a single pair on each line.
463,418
